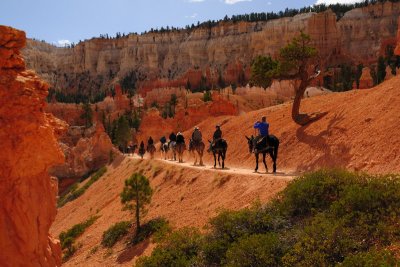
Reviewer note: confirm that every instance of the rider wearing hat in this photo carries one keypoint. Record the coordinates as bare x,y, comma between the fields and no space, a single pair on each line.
196,135
217,134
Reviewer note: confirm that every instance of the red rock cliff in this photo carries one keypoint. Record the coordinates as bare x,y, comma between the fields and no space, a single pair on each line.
28,148
173,58
397,50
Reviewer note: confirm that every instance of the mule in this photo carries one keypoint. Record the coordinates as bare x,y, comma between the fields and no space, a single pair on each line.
164,150
151,149
219,148
271,148
172,148
141,151
197,149
180,148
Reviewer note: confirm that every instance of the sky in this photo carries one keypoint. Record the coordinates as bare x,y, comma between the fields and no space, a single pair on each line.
64,21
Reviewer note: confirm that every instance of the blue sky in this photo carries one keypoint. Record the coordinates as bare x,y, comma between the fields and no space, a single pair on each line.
74,20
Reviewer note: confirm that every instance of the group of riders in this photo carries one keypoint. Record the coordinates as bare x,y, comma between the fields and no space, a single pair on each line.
261,143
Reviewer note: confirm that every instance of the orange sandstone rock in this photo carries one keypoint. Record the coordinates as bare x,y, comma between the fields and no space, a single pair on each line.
28,148
397,50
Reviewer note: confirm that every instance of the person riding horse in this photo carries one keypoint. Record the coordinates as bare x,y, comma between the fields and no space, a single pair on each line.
150,141
180,139
172,137
196,136
263,129
217,136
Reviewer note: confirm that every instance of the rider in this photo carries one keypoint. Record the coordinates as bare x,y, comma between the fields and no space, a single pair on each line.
180,139
196,135
217,134
150,141
172,137
163,140
263,129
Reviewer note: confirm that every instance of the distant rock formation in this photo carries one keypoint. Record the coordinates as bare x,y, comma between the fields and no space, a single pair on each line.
397,50
29,147
171,59
366,80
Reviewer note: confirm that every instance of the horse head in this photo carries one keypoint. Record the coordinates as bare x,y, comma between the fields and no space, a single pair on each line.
250,142
209,147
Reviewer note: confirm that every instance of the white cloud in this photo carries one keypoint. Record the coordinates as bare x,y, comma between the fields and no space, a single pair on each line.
232,2
194,15
63,42
328,2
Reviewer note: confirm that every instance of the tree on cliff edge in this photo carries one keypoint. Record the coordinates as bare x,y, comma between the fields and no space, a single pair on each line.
136,194
294,62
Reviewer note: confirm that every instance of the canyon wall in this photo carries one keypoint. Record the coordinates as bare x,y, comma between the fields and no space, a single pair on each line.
397,50
28,148
173,58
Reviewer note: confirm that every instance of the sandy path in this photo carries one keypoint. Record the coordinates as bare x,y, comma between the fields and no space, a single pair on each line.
188,163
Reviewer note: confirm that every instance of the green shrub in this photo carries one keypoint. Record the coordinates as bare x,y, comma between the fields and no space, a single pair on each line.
371,259
115,233
324,218
77,192
178,249
255,250
67,238
158,227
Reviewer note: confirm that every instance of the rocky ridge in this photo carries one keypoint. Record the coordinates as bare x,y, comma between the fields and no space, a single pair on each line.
173,58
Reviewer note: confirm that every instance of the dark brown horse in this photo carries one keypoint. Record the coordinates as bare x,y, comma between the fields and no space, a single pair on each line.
197,149
180,148
219,148
151,149
270,147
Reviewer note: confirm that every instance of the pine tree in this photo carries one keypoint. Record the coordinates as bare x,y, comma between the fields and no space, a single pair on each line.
87,115
136,194
122,132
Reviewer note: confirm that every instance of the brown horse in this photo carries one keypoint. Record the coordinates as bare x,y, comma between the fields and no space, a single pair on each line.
180,148
197,149
151,149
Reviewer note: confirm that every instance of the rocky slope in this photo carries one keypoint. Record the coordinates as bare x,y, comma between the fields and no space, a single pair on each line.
359,132
171,59
29,148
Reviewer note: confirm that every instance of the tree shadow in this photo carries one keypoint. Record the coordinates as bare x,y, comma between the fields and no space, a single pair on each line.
133,251
337,155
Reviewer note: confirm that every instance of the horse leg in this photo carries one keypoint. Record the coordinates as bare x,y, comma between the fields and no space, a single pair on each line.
215,160
201,159
273,157
223,159
219,157
265,164
256,154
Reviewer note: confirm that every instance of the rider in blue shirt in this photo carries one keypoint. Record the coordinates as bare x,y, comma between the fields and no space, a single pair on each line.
262,126
263,129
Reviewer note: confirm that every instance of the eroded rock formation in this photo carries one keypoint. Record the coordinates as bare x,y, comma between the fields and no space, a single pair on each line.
173,58
28,148
397,50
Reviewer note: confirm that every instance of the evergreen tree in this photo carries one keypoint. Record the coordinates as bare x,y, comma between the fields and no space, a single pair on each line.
87,115
136,194
381,72
122,133
294,61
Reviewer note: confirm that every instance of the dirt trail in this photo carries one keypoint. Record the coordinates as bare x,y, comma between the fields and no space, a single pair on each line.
188,163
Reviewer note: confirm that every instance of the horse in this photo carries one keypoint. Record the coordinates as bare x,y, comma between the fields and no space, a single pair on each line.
164,150
219,148
141,151
197,147
131,149
151,149
172,148
180,148
271,148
